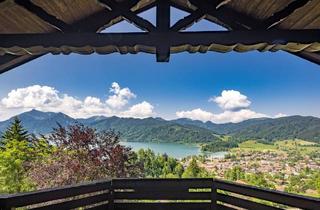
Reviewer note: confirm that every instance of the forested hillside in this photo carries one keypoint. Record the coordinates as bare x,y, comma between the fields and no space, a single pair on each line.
181,130
269,129
148,129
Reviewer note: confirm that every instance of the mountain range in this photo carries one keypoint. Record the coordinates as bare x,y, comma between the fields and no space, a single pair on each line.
179,130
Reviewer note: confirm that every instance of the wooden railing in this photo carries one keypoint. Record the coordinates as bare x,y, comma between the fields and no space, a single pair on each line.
154,194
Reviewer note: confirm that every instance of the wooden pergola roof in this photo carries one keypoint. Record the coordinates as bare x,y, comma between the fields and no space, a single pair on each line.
32,28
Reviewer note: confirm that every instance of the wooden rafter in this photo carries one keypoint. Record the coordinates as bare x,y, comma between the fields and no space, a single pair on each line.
96,40
99,20
196,15
227,15
43,15
92,23
280,16
128,14
188,20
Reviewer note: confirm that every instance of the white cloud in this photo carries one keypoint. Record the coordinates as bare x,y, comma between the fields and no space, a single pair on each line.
235,108
226,116
120,97
231,100
237,116
45,98
32,96
280,115
196,114
141,110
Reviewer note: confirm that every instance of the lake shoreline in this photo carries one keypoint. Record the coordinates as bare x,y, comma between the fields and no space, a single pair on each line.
176,150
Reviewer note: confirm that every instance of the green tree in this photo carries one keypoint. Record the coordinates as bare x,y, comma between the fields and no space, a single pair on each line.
194,170
16,151
166,170
178,170
234,174
13,161
259,179
14,132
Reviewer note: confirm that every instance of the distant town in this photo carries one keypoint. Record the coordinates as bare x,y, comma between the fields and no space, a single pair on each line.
290,165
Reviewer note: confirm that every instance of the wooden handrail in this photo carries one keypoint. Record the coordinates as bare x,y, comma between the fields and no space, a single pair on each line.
175,194
41,196
269,195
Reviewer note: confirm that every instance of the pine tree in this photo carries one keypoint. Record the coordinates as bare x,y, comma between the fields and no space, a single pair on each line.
193,170
15,151
14,132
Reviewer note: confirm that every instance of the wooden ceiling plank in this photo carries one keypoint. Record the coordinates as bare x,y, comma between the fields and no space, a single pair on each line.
43,15
239,21
281,15
227,15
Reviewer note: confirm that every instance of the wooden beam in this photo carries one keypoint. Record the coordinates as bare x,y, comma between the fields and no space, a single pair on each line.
99,20
188,20
175,39
226,15
139,22
312,57
92,23
8,62
196,15
163,26
43,15
189,10
281,15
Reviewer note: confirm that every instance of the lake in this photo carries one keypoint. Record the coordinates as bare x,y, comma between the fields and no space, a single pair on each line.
172,149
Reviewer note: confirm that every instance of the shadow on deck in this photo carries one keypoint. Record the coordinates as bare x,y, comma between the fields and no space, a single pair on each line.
154,194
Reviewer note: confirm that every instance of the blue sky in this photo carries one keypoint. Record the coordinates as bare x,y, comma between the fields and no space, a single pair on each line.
268,83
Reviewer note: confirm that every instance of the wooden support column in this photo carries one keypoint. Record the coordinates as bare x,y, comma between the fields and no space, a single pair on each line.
214,198
3,204
111,197
163,27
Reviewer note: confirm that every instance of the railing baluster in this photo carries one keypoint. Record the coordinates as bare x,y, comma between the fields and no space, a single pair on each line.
214,205
111,198
4,205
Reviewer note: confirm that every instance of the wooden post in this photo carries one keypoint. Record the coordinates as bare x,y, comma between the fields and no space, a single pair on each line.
3,204
111,197
163,26
214,205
